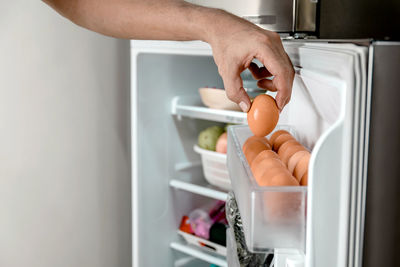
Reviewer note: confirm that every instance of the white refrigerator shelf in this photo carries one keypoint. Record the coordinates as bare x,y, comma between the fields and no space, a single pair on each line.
199,253
203,189
203,243
191,106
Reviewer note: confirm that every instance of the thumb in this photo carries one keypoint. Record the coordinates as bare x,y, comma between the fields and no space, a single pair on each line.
235,92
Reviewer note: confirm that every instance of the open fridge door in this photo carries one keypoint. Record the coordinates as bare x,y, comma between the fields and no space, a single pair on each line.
328,112
332,79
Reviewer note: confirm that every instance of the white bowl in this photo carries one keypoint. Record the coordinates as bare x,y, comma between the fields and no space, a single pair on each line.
217,99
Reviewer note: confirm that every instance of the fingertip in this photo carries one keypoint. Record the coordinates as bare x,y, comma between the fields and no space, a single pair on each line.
244,106
280,102
244,102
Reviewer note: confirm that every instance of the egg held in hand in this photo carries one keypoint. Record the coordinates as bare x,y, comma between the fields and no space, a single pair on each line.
263,115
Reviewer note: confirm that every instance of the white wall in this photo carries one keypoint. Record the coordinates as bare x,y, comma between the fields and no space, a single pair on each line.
64,142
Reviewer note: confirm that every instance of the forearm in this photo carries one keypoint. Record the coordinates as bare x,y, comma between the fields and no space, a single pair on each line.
235,42
136,19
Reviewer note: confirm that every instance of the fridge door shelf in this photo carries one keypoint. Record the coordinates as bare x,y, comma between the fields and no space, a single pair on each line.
203,189
273,217
199,253
214,167
191,106
203,243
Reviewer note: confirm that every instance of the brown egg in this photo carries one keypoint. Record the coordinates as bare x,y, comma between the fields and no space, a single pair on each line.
304,179
277,204
295,159
280,140
288,149
257,138
263,115
252,149
262,155
286,145
266,166
264,177
276,134
301,167
283,178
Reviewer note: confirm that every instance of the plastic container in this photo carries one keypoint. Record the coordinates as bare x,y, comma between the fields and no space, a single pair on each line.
203,243
214,167
273,217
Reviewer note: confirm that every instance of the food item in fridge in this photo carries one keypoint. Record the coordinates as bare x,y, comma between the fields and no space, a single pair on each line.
252,149
267,168
301,167
288,149
281,139
295,159
304,179
276,134
261,156
263,115
257,138
283,178
208,137
285,165
218,233
277,176
222,143
185,225
200,223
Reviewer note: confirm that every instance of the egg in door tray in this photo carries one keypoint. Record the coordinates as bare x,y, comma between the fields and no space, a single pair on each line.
278,161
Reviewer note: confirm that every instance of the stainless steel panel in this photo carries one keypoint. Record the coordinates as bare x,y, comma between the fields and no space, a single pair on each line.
306,14
275,15
382,217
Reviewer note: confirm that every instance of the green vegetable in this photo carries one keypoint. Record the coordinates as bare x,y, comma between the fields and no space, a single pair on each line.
208,138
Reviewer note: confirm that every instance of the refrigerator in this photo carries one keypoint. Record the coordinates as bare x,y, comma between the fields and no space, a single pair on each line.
343,108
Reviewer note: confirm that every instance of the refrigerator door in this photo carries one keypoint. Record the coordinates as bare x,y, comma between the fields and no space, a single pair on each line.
328,110
382,207
329,104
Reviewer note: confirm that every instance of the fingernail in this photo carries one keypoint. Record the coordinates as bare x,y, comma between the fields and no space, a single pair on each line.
280,106
243,106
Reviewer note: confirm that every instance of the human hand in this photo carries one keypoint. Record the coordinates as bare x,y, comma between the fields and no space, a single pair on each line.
235,43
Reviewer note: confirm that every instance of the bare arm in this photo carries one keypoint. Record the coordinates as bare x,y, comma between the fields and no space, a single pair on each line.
235,42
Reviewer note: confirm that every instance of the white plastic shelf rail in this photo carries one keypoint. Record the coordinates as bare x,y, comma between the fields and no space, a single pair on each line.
191,106
199,253
200,189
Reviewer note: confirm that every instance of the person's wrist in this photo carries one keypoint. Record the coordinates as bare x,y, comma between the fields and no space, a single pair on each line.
208,23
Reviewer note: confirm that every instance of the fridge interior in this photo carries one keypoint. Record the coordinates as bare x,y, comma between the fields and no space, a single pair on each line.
325,111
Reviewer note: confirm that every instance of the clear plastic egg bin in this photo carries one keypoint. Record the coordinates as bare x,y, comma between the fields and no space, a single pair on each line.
273,217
